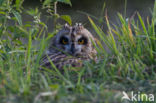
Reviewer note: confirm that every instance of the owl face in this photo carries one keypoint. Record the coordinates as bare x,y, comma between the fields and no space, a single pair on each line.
76,40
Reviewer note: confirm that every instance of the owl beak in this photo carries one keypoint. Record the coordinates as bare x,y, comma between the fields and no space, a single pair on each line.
72,49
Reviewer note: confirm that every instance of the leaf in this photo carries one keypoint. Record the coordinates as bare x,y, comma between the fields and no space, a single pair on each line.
18,17
54,86
33,12
1,12
18,4
65,1
47,2
50,35
67,18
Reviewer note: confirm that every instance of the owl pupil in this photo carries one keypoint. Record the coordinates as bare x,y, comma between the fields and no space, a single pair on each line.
64,40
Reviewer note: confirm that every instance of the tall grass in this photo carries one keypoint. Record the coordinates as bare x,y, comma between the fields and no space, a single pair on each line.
129,66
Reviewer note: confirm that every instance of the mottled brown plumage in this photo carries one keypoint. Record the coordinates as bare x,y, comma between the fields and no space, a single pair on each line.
71,46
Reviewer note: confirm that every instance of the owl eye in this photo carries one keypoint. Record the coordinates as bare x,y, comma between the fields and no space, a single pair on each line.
64,40
82,41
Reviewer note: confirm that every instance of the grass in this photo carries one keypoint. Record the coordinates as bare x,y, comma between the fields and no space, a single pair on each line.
129,66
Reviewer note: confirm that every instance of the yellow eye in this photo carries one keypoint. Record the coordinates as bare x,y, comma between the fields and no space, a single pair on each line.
81,42
64,41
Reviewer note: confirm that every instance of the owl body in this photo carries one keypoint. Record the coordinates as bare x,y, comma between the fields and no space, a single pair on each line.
70,46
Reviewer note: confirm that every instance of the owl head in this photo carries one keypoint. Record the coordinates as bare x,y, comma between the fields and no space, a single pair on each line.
74,40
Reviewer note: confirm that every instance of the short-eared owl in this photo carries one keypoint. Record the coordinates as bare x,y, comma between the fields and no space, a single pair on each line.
70,46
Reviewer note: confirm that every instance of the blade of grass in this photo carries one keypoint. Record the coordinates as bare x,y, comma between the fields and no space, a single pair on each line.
29,57
111,35
58,72
96,29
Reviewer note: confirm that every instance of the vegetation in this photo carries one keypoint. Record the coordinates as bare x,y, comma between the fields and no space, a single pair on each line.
129,66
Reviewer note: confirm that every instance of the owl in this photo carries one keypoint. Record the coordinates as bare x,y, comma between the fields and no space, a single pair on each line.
71,46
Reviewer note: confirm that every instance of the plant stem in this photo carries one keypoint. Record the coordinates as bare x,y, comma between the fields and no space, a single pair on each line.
55,7
55,14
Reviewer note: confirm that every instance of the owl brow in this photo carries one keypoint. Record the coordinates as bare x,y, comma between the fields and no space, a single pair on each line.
73,32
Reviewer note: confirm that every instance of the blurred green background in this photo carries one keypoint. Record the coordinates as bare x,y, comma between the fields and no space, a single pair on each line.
94,7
